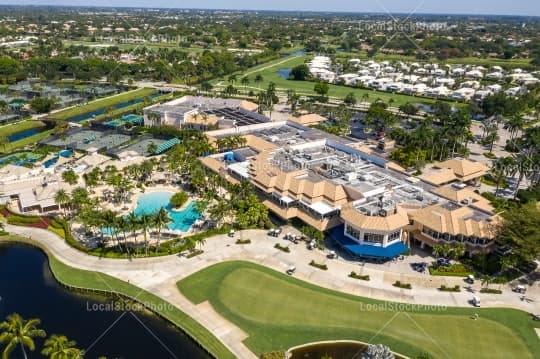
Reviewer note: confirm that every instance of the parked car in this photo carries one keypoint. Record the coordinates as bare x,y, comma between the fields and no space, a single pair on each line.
470,279
332,255
231,233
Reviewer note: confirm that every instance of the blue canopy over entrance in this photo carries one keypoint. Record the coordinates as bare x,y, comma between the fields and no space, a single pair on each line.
359,250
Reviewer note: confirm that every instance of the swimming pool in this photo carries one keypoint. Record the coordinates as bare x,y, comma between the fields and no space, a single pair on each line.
152,202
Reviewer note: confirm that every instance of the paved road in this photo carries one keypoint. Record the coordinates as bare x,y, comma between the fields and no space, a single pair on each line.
159,276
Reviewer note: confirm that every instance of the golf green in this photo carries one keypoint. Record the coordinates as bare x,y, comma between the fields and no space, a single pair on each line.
278,312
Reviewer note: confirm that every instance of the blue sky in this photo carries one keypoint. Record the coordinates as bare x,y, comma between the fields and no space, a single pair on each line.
503,7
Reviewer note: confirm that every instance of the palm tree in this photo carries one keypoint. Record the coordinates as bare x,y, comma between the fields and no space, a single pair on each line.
134,223
486,281
60,347
161,219
17,331
259,79
146,223
61,198
458,250
245,81
4,141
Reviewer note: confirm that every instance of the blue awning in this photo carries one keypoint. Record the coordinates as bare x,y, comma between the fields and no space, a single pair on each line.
360,250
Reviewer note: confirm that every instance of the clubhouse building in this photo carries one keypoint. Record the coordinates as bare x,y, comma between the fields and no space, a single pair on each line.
368,205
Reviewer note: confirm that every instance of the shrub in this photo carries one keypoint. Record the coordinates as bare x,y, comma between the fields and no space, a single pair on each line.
273,355
243,241
318,265
194,253
398,284
359,276
455,288
490,291
490,155
282,248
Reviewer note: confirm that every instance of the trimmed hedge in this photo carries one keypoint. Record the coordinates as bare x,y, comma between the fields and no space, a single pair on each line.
318,265
282,248
455,288
401,285
490,291
359,276
243,241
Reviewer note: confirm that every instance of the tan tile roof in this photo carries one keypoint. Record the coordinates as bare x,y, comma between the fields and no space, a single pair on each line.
308,119
458,221
293,183
459,195
439,177
376,223
259,144
463,167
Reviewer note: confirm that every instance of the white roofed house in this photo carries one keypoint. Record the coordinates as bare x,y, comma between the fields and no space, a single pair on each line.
463,94
348,79
441,91
495,76
474,74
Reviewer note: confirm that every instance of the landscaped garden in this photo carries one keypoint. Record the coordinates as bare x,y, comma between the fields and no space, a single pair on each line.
278,312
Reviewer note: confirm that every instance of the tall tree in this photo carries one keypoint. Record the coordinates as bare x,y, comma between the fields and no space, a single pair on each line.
15,331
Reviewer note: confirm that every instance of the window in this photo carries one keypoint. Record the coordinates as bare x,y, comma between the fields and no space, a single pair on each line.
351,231
430,232
373,238
394,236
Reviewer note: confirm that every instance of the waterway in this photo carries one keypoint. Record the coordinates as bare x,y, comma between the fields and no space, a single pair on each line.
28,287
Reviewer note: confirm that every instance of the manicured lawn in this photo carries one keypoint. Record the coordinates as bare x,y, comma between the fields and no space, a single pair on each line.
102,103
95,280
269,72
278,312
20,126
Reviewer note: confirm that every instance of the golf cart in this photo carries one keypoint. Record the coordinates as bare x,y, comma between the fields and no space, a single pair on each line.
519,289
470,279
332,255
231,233
311,245
291,270
476,301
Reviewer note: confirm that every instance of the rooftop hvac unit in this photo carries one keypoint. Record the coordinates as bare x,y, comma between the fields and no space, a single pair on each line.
383,213
419,198
466,201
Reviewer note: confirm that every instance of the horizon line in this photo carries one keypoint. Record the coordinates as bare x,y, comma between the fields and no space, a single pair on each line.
268,10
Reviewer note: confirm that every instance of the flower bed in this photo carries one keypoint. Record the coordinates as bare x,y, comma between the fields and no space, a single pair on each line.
454,270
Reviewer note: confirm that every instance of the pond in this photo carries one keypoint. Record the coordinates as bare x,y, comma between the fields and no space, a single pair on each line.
338,349
284,73
28,288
